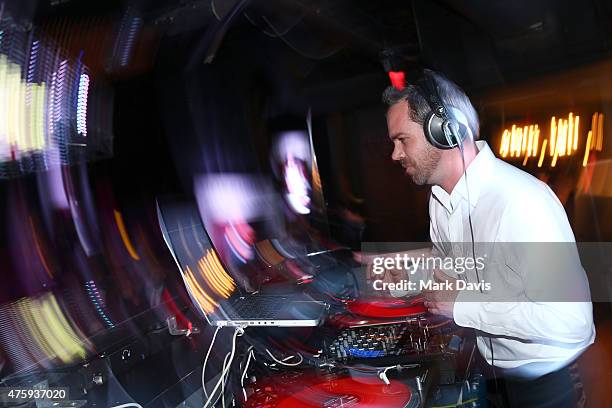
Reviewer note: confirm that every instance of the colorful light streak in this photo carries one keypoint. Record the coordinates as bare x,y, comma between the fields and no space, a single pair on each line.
98,302
236,242
47,330
594,138
563,140
520,140
124,236
207,303
43,99
210,282
214,274
21,113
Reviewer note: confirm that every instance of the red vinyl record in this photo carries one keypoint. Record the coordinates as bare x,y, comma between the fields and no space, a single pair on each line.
347,392
307,390
382,308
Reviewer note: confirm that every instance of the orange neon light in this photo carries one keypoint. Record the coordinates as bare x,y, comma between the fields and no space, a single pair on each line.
124,236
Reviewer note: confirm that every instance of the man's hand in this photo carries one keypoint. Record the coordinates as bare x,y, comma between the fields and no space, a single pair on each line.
389,276
442,302
392,275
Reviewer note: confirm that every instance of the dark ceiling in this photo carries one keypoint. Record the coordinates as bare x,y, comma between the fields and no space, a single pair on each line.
478,43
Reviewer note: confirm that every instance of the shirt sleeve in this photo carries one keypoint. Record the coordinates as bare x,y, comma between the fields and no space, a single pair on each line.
538,248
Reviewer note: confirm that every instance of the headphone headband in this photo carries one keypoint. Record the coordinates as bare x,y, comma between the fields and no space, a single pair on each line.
429,91
441,129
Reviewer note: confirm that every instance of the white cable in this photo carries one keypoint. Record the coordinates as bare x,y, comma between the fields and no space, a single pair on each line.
283,361
206,360
246,367
129,404
224,381
239,332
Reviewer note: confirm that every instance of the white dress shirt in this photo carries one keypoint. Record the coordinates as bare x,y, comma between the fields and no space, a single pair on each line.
530,336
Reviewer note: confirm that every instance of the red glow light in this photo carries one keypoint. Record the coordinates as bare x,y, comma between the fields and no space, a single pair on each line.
398,79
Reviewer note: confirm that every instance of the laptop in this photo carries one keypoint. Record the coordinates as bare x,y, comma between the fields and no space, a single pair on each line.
214,289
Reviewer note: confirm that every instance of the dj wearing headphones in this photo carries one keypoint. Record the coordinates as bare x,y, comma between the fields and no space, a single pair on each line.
477,198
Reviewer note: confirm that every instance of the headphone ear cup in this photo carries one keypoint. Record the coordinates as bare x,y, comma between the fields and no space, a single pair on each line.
433,127
460,124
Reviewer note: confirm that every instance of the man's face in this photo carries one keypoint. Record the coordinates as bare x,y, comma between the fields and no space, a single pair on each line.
410,148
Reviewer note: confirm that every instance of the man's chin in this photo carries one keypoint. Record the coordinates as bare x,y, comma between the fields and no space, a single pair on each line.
417,179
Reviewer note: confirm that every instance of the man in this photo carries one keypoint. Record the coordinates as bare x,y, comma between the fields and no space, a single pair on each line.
529,336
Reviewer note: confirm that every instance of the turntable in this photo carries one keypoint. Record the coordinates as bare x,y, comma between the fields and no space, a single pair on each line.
308,389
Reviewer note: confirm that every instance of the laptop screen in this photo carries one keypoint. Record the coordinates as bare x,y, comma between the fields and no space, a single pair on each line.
208,282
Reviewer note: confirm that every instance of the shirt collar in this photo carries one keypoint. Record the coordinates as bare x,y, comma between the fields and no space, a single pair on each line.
478,172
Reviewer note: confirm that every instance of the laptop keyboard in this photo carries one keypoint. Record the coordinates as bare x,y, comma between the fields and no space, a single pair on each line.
258,307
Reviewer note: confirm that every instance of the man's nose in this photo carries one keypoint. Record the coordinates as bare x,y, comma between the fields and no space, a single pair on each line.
397,153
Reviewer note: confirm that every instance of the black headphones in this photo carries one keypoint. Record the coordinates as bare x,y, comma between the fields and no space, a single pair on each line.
442,130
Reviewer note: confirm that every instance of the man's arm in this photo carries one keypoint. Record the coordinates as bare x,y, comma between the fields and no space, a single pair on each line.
555,303
550,322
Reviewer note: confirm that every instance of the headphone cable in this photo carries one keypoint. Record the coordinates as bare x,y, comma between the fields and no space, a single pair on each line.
460,145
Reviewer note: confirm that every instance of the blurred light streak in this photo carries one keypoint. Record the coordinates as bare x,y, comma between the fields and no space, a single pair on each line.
505,143
21,113
233,248
600,124
207,303
563,133
575,137
82,104
563,140
124,236
517,141
269,255
66,343
98,302
215,275
237,244
553,135
80,200
131,36
47,330
52,191
553,162
126,38
594,122
542,153
34,60
585,160
297,186
594,137
38,249
19,347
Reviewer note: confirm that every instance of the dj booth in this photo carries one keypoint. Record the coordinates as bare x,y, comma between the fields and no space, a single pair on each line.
357,351
310,334
359,360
